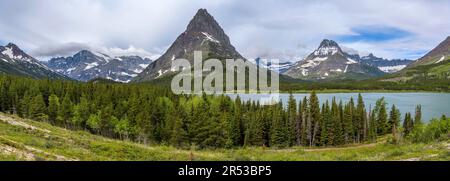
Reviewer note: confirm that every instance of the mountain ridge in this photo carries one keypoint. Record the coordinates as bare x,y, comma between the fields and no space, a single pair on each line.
328,61
15,61
86,65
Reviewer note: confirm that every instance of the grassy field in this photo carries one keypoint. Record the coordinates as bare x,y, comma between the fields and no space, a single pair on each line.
22,139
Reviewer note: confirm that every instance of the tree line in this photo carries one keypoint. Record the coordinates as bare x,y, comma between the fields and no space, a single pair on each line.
151,114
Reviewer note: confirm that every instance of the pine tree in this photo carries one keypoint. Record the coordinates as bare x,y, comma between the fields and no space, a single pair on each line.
338,125
327,126
360,120
418,115
372,135
394,121
348,124
306,122
277,133
299,125
37,108
315,117
292,120
53,106
380,116
407,124
65,111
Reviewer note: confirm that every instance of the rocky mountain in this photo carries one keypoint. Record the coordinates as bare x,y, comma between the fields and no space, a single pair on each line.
86,65
436,55
279,67
385,65
16,62
432,67
202,34
328,61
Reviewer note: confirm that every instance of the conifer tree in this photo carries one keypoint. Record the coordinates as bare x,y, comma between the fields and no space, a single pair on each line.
360,120
394,121
292,120
315,119
298,125
53,106
65,111
38,109
277,133
418,115
306,122
338,125
348,124
407,124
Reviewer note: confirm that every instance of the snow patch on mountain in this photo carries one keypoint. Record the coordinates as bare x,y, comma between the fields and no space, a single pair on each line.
210,38
441,59
391,69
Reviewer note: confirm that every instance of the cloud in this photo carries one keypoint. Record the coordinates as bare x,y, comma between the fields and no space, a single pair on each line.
65,49
68,49
374,33
255,27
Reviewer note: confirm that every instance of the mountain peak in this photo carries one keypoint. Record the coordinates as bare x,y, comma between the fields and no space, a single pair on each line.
12,45
16,52
327,47
203,33
204,22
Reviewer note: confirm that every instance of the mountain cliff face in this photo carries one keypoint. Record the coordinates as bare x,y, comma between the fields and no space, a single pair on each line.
86,65
202,34
14,61
433,66
328,61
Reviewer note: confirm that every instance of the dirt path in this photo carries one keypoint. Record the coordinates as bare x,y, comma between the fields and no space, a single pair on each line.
342,148
15,122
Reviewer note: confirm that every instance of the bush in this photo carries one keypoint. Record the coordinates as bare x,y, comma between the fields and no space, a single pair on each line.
434,131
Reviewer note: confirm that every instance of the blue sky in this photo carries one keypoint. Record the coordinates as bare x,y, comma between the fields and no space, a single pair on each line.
374,33
283,29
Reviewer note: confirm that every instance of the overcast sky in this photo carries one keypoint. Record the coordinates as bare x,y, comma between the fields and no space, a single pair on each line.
284,29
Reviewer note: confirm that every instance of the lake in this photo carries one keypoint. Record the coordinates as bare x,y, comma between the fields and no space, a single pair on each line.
434,105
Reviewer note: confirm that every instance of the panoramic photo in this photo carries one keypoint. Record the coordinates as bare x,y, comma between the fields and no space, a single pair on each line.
178,80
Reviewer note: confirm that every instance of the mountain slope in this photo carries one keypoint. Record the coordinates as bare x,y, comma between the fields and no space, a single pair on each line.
436,55
27,140
202,34
385,65
433,66
14,61
328,61
86,65
280,67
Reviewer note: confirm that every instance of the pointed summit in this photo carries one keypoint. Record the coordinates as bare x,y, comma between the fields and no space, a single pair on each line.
328,43
202,34
202,21
14,52
327,47
328,61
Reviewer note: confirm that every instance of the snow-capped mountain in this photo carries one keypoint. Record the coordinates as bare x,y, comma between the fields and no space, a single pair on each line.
15,61
385,65
328,61
86,65
279,67
202,34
